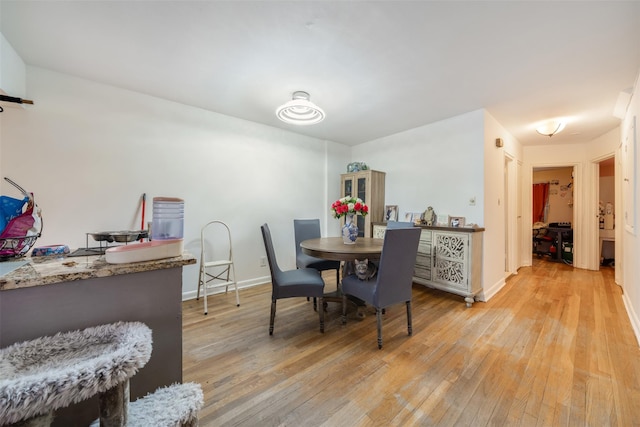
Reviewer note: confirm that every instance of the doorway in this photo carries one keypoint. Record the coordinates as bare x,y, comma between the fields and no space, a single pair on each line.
553,213
606,212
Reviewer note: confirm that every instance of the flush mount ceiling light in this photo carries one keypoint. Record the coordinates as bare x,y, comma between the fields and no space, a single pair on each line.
300,111
550,127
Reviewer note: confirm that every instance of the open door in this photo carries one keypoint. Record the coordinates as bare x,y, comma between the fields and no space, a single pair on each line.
606,212
512,215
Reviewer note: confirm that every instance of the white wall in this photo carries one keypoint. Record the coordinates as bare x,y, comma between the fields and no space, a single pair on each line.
12,70
336,164
443,165
12,79
500,205
631,240
89,151
438,165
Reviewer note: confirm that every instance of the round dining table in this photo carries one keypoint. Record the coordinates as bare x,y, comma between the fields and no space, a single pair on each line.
334,249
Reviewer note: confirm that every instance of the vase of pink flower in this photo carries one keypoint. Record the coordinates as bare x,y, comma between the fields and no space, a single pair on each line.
349,207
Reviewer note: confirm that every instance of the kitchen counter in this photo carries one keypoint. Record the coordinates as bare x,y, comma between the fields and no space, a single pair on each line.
46,270
55,294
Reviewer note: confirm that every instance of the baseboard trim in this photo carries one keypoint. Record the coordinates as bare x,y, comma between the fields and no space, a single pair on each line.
633,317
491,291
241,285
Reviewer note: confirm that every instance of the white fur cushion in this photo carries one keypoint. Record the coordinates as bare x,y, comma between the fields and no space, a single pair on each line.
52,372
170,406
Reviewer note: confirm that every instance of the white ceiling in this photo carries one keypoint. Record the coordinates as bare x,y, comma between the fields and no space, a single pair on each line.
376,68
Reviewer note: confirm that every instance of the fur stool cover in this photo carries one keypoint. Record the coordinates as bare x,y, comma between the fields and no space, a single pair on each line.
47,373
176,405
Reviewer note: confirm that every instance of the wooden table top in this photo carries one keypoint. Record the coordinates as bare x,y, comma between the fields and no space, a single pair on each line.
333,248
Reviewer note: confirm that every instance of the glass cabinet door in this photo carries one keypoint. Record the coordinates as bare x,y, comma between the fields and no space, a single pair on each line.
362,191
348,187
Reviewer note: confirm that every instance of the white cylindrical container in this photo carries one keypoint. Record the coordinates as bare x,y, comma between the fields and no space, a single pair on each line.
168,218
608,221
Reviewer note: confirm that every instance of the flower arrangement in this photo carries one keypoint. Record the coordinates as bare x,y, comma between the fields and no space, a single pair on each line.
349,206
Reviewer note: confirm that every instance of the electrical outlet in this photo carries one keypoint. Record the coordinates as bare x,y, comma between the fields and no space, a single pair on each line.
263,261
472,201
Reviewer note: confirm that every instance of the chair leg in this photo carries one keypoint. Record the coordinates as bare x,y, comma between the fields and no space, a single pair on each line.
315,303
204,293
344,309
199,282
235,283
273,316
379,319
237,294
320,300
409,326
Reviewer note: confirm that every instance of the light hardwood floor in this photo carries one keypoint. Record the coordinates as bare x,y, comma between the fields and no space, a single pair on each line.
553,348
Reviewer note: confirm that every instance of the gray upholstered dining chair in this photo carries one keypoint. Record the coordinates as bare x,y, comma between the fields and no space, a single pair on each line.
399,224
393,282
305,229
393,225
302,282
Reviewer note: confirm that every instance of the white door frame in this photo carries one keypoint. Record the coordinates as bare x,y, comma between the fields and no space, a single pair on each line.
511,186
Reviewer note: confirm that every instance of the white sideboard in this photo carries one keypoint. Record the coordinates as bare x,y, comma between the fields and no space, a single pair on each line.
449,259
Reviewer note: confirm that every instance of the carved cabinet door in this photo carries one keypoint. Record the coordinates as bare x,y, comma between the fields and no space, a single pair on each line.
450,259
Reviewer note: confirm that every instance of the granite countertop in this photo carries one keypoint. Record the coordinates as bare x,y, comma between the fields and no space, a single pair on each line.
46,270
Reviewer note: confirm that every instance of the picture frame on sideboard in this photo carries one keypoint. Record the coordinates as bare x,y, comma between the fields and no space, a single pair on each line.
456,221
391,213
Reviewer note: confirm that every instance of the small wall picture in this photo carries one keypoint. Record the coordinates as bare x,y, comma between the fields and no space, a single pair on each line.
391,213
408,217
456,221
